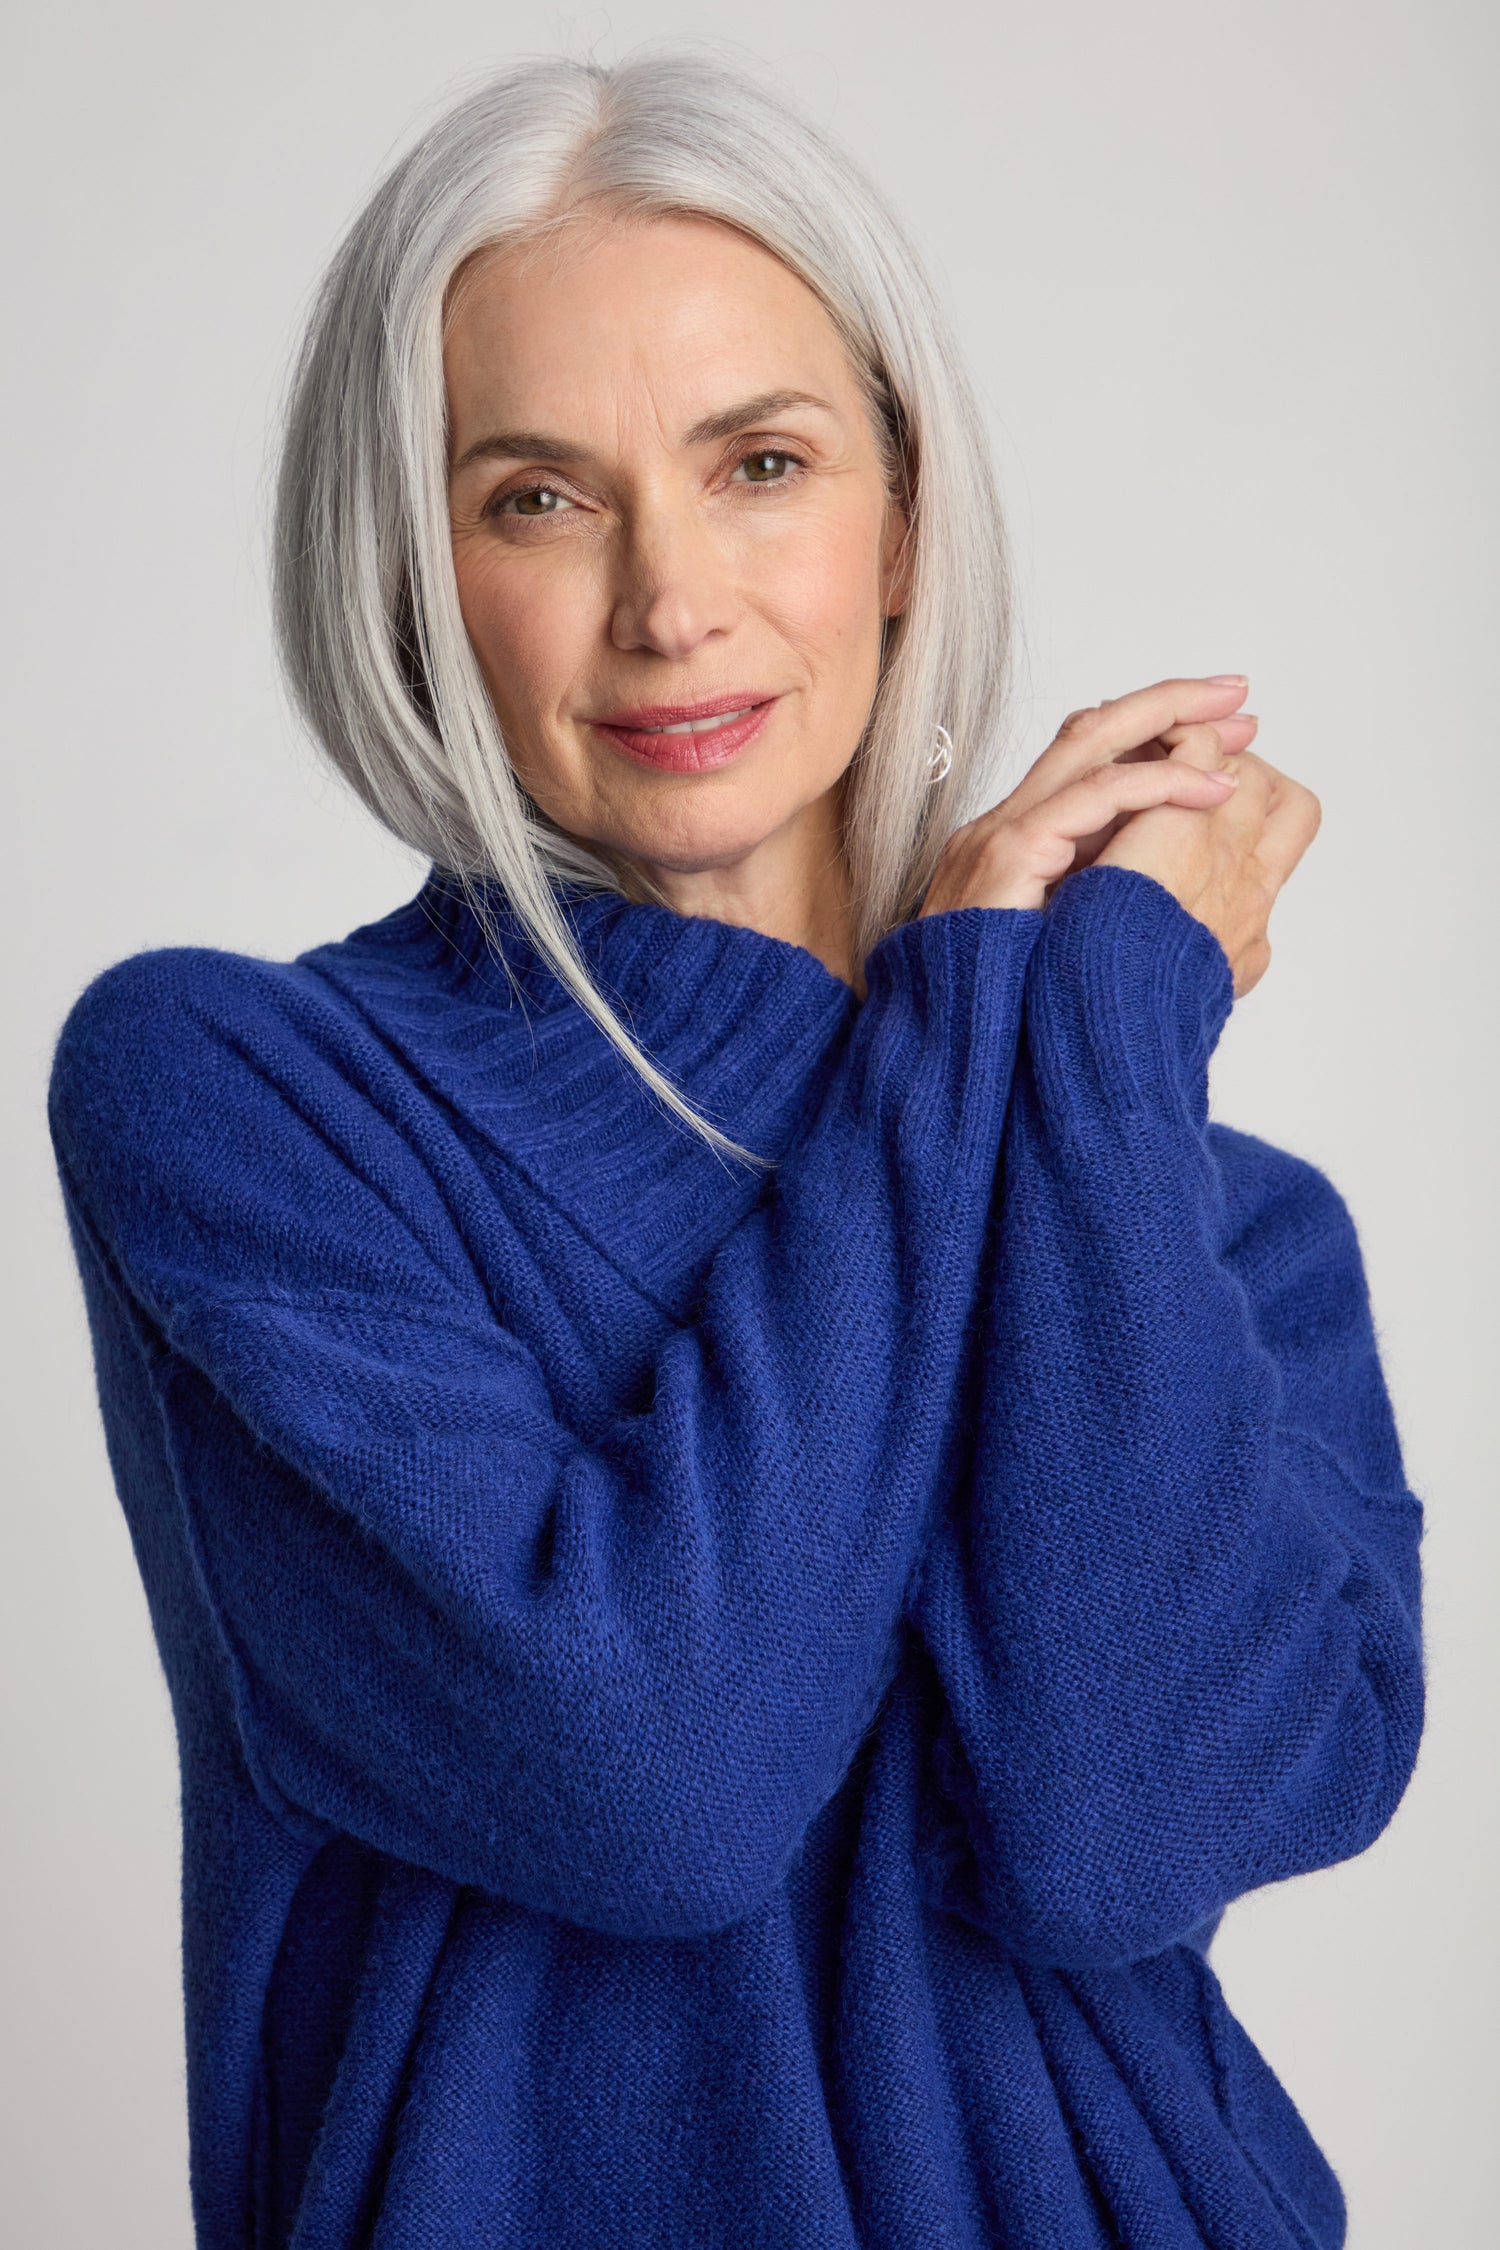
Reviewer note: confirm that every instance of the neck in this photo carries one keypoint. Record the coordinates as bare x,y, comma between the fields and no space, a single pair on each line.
793,885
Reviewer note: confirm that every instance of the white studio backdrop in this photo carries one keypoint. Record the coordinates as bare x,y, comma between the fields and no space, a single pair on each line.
1222,273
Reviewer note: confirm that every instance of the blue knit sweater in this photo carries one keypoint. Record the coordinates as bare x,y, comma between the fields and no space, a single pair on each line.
719,1711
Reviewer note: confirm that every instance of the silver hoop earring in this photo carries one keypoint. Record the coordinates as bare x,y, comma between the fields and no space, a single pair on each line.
941,761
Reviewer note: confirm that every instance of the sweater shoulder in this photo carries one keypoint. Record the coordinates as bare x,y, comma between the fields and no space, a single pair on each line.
226,1123
187,1060
166,988
166,1001
142,1025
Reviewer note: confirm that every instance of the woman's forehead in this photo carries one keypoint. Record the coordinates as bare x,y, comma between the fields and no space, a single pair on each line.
671,317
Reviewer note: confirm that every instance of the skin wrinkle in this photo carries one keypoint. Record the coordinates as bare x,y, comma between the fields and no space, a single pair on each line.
516,444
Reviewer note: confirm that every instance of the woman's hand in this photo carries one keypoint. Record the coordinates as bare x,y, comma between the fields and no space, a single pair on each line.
1227,864
1103,765
1142,782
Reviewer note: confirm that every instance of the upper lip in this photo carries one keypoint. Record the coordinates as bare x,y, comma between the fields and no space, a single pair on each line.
673,714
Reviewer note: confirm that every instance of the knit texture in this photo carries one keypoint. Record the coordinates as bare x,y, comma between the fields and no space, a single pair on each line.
721,1711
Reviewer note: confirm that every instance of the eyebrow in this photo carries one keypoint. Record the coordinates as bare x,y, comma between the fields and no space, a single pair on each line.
521,445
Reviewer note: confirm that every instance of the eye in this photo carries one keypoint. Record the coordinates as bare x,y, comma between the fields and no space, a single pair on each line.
768,466
536,500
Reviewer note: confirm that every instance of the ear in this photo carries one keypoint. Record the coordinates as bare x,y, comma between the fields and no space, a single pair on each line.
897,561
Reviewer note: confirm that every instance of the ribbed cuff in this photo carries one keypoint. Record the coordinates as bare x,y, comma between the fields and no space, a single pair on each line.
944,996
1126,996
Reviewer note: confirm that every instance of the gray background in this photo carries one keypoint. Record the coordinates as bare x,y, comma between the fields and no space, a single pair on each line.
1223,276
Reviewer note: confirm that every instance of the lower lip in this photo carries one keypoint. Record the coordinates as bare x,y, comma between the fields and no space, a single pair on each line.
689,753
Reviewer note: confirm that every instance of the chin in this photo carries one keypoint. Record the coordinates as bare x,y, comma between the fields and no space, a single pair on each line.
717,837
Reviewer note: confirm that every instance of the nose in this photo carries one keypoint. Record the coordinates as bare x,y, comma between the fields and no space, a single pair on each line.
674,591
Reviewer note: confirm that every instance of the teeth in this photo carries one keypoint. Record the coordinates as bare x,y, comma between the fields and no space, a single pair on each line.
702,726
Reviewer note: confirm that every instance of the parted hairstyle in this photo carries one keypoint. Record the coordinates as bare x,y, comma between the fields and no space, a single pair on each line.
366,602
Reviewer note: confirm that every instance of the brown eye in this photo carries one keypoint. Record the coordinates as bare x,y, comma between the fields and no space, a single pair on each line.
539,500
767,467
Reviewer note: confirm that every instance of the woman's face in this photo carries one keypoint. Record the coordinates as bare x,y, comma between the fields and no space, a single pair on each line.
668,503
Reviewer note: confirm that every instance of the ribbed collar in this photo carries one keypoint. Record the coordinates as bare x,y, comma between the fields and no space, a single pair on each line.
745,1025
638,951
740,1021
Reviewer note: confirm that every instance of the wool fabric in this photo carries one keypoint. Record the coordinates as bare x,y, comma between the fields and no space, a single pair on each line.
720,1709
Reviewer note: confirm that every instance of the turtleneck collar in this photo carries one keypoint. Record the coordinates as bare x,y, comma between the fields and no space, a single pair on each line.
740,1021
630,945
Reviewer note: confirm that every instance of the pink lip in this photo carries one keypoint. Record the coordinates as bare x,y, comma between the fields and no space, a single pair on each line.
687,753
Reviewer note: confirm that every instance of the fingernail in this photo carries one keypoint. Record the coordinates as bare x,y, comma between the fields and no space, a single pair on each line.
1228,679
1230,780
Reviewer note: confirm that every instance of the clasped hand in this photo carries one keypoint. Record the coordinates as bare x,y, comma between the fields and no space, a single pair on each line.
1161,780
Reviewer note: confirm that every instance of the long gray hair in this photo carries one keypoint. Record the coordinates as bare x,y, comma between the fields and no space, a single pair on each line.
366,601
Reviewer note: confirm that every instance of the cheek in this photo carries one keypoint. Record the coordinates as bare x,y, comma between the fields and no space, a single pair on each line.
821,584
528,626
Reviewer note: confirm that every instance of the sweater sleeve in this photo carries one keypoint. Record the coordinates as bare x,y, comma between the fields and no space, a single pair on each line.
1174,1613
610,1680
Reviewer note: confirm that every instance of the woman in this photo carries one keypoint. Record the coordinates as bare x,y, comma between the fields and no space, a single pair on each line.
753,1520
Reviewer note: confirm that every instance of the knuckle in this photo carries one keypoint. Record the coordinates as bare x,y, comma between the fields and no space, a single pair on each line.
1200,734
1077,721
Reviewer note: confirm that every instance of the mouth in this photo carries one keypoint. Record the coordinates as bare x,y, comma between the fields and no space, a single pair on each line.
688,737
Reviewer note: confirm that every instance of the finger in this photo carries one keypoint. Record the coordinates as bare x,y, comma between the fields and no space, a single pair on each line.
1114,730
1259,783
1292,819
1230,735
1091,799
1131,720
1243,814
1204,744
